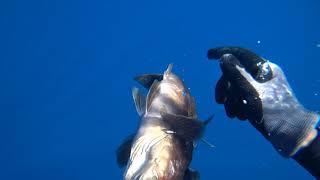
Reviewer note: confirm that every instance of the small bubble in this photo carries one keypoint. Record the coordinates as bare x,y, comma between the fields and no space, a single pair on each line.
318,45
269,134
316,94
258,42
244,101
279,149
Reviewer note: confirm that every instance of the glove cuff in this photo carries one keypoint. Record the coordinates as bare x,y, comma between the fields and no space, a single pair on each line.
310,137
296,132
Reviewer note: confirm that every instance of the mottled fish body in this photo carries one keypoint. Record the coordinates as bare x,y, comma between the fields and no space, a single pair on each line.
163,145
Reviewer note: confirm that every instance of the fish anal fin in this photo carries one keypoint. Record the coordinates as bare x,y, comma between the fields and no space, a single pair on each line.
124,150
147,80
139,101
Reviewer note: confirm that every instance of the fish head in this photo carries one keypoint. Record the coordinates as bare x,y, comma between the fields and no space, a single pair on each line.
173,96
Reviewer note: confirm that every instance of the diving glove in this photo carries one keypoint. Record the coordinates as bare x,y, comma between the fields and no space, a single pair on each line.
255,89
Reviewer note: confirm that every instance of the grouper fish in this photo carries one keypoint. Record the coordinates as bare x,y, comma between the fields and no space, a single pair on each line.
163,145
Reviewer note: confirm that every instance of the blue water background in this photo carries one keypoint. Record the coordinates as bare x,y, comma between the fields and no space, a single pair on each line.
66,70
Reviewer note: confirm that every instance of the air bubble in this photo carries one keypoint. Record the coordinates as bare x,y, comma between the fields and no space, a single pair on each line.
244,101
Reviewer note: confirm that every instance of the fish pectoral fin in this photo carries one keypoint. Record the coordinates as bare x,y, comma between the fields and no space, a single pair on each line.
207,143
139,101
151,94
183,126
146,80
191,174
208,120
124,150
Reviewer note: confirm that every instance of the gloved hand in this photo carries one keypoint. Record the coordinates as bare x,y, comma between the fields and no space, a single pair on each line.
255,89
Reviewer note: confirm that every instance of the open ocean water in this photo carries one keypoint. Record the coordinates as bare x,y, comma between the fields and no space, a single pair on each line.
67,68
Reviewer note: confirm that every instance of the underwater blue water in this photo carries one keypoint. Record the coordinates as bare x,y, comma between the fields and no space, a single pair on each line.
66,70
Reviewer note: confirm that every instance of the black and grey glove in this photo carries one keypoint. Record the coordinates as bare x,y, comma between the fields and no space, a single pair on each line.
255,89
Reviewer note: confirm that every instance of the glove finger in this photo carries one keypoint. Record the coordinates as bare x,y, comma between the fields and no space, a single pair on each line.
241,113
228,65
230,106
237,101
242,95
240,53
253,107
221,90
258,67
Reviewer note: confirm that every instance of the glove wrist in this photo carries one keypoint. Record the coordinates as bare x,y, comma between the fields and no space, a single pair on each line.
291,130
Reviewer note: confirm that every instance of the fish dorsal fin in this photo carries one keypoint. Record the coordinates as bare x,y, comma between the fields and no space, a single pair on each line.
169,69
191,174
124,150
185,127
152,92
146,80
139,100
192,108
